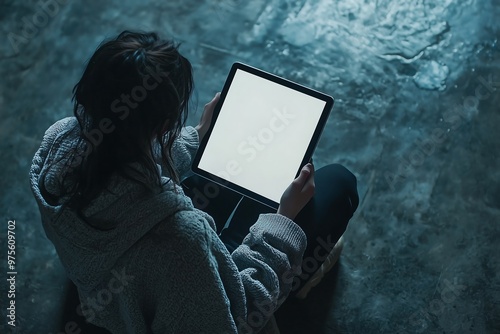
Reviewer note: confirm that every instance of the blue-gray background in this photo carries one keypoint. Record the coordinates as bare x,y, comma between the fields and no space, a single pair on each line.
417,89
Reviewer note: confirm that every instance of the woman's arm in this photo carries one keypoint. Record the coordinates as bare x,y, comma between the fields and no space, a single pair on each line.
183,150
218,292
268,260
187,144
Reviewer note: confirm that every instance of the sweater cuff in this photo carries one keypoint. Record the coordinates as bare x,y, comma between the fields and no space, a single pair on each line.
282,233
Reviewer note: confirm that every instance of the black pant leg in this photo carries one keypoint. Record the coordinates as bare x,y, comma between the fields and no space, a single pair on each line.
325,218
333,204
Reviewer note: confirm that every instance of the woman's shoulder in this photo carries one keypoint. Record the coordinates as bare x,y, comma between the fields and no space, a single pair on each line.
64,124
67,127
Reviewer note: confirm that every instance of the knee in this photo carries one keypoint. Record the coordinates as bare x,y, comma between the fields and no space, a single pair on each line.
342,175
346,182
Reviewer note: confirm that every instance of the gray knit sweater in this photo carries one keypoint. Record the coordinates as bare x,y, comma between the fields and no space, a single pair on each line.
161,267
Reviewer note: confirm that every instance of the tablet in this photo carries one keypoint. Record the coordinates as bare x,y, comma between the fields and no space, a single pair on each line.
263,131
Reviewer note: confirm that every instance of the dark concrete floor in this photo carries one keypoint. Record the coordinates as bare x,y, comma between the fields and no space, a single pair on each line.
417,88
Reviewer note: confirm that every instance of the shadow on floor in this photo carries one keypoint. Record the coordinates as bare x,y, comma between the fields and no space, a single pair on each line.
309,315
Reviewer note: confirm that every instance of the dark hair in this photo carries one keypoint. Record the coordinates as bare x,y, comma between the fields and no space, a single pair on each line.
133,93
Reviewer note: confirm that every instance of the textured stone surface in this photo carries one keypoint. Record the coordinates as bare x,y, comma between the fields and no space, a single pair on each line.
415,119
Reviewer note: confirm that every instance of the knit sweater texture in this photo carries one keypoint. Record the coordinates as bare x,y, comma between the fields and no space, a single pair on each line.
149,262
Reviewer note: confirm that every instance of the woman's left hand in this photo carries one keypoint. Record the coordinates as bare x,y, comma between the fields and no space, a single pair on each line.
206,117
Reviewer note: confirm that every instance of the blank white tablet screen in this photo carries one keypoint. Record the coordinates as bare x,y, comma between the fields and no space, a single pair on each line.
261,135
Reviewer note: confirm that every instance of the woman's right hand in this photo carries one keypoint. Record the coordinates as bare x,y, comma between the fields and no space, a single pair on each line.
298,193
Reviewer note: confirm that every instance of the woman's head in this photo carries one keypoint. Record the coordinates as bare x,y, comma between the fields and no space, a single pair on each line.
135,77
133,92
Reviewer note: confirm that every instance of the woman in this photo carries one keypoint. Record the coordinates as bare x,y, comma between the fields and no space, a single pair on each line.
111,190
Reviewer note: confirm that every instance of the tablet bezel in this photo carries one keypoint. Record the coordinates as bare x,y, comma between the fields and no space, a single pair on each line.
279,80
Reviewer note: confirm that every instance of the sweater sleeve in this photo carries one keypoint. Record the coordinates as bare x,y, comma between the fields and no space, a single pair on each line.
183,151
268,260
